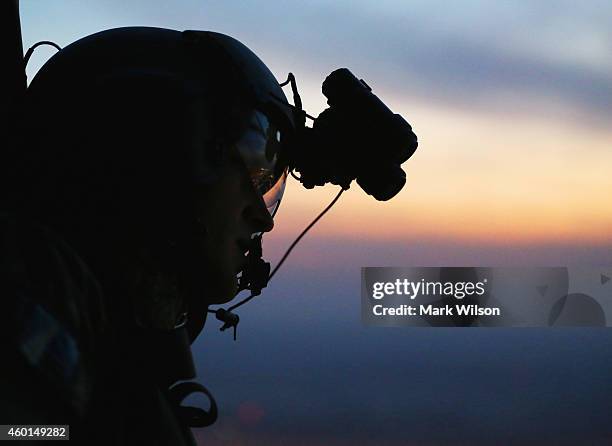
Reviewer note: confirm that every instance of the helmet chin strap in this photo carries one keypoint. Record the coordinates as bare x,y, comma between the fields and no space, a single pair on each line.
256,274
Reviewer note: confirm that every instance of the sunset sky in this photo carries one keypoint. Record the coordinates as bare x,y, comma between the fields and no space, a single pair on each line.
512,104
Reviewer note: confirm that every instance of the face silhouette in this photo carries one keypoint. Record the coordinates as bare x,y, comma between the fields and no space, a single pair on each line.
230,212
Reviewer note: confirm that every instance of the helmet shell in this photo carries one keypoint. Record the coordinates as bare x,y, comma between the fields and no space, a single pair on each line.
124,121
214,76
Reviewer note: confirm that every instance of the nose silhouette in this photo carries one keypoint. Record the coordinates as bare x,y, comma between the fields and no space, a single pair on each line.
258,217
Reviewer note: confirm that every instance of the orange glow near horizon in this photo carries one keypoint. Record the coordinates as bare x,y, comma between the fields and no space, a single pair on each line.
479,177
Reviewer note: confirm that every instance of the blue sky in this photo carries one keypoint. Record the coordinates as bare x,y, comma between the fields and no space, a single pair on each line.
448,51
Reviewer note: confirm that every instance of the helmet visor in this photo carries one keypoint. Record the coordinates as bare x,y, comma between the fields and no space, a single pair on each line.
260,147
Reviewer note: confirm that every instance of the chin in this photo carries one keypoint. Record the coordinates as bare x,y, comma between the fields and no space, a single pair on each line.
223,291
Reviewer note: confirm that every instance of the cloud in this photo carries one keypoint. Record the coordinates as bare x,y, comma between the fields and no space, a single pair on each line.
481,60
490,54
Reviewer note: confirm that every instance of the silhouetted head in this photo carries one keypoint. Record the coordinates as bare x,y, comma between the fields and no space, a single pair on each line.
156,154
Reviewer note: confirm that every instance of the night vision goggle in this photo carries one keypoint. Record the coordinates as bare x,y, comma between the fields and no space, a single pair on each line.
357,138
